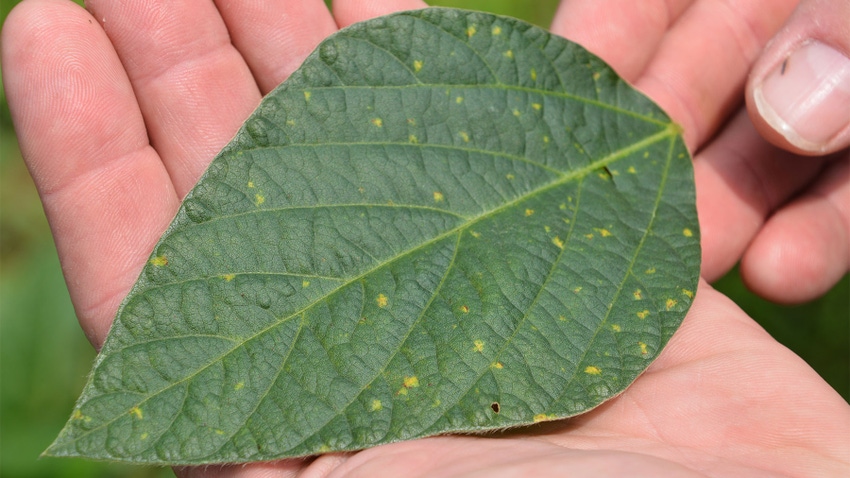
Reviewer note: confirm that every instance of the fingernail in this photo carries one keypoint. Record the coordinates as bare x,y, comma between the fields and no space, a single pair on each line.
807,97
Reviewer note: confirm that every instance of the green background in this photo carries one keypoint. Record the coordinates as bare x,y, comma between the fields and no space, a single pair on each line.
44,356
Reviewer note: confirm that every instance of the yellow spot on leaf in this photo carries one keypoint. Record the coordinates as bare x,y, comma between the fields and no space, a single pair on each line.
250,184
536,106
517,113
637,294
671,303
496,30
643,348
475,234
402,391
643,314
239,386
381,301
509,54
143,436
616,328
417,65
558,242
542,417
413,139
546,139
324,449
533,74
459,100
305,284
563,207
377,405
136,412
464,136
259,199
470,32
464,309
547,228
589,235
591,370
289,123
307,95
411,382
649,271
498,365
577,290
510,176
632,170
688,293
603,232
479,345
159,261
562,318
228,277
378,122
687,232
411,121
438,196
529,212
596,75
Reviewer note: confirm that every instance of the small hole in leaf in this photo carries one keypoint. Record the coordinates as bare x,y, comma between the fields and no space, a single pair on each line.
495,407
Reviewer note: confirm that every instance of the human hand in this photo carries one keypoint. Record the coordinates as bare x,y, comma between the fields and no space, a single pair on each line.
136,113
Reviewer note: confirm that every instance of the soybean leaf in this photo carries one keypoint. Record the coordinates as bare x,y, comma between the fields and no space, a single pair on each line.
444,221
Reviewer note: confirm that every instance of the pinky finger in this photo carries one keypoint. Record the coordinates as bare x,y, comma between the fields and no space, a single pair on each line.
804,249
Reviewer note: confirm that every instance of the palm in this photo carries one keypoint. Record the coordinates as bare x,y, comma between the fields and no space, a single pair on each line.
723,398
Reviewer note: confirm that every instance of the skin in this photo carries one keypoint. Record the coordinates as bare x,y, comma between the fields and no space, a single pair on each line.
119,109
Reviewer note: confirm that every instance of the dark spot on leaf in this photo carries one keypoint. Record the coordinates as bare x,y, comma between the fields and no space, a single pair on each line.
495,407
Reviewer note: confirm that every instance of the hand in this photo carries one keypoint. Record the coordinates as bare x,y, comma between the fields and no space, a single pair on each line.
787,215
119,112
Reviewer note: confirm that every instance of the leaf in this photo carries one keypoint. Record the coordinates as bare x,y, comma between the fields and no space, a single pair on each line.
444,221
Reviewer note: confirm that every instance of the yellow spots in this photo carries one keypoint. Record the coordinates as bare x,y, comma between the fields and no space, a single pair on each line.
413,139
464,309
438,196
603,232
377,406
259,199
381,301
577,290
547,228
558,242
411,382
324,449
305,284
546,139
417,66
250,184
459,100
592,370
616,328
687,232
307,96
632,170
563,207
562,318
228,277
496,31
470,32
643,348
596,76
509,54
478,346
688,293
510,177
290,122
475,234
542,417
159,261
589,235
649,271
645,154
219,432
239,386
536,106
517,113
136,412
529,212
637,294
497,365
378,122
464,136
143,436
671,303
533,74
643,314
411,121
78,415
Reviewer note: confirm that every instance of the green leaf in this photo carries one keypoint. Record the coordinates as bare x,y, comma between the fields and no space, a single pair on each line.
443,221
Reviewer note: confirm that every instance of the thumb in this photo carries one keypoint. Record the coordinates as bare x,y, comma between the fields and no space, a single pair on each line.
798,94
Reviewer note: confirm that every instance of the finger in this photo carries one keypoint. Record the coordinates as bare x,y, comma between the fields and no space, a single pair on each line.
799,91
624,33
804,249
105,191
698,72
740,180
193,86
347,12
274,38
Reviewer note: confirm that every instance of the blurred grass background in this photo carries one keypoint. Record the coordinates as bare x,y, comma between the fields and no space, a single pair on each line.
44,357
